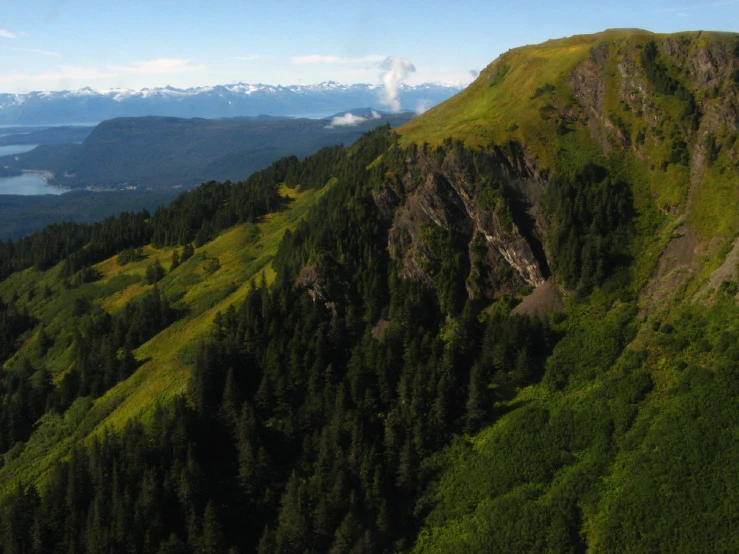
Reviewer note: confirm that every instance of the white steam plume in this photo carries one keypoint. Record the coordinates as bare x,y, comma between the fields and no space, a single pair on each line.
423,106
396,71
349,119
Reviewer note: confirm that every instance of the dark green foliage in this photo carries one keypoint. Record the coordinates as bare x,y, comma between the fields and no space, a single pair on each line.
187,252
711,150
130,255
665,84
524,485
674,489
77,244
13,323
176,260
200,214
546,111
679,153
656,71
85,275
212,265
562,128
451,269
102,356
590,234
154,273
624,127
103,345
26,395
540,91
513,352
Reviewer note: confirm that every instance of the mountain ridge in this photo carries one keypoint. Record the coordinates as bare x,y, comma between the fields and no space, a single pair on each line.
167,153
238,99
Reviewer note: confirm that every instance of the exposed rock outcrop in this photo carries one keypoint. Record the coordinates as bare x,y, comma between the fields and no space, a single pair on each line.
324,290
443,193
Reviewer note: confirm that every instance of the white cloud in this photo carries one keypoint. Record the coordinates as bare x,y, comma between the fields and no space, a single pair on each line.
6,34
396,71
423,106
300,60
62,74
158,67
350,120
33,51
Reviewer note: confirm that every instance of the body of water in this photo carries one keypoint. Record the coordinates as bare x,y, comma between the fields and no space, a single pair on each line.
28,184
16,149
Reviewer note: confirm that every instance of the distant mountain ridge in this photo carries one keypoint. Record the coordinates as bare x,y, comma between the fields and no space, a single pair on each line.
238,99
162,153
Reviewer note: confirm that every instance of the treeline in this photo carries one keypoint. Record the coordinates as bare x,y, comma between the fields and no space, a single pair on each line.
197,215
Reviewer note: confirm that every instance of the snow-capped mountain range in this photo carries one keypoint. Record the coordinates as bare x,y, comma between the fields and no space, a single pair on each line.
240,99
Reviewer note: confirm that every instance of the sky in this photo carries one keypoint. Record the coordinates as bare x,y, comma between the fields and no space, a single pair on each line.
104,44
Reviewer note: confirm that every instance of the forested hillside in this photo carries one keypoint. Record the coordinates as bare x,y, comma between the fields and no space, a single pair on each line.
168,153
511,326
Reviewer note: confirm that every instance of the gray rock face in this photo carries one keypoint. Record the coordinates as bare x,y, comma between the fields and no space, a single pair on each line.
442,194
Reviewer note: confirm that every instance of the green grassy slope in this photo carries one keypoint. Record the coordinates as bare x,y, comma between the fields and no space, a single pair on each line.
243,253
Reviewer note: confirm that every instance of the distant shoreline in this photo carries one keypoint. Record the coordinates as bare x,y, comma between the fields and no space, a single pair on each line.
45,174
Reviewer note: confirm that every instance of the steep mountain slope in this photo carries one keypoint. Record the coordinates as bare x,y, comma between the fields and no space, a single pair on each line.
243,257
623,445
387,390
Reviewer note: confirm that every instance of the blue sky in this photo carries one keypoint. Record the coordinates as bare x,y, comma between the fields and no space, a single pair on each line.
58,44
